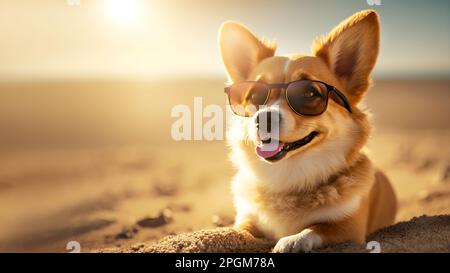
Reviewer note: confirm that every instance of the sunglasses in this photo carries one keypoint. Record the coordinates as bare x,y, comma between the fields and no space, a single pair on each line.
304,97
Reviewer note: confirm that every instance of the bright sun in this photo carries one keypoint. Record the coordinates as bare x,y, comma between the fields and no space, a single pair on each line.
124,12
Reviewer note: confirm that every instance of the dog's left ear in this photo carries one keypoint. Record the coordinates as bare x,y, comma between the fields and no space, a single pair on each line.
351,50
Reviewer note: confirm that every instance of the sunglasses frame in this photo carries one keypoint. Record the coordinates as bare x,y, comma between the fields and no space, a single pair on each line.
285,86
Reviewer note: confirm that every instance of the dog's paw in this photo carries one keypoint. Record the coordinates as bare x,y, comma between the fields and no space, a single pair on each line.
304,241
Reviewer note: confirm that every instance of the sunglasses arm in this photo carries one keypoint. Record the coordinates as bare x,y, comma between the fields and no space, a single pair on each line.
343,99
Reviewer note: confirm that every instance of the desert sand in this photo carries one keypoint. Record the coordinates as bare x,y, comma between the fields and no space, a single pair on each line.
94,162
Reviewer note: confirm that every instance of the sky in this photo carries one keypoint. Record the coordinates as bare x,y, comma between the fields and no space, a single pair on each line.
52,39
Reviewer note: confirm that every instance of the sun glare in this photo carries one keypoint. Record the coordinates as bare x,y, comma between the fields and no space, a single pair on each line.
124,12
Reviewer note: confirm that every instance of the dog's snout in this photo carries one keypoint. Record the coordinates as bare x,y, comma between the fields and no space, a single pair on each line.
269,118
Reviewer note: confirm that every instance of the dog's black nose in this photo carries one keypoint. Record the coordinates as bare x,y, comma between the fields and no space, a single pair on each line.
267,117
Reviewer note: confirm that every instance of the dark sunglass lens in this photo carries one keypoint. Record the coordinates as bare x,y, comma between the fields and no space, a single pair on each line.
307,97
246,97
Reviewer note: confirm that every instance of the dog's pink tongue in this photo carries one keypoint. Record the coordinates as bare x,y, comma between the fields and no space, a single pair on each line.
269,150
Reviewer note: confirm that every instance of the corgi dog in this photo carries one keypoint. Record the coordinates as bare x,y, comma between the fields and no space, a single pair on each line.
316,187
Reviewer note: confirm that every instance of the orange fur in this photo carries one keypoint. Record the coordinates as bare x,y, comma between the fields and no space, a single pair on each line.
327,191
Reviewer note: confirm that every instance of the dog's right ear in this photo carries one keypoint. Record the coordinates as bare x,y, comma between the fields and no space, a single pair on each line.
351,50
241,50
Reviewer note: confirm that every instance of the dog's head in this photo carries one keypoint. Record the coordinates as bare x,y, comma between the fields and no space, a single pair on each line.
324,144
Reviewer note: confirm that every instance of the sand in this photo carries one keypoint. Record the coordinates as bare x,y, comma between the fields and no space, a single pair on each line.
420,234
95,163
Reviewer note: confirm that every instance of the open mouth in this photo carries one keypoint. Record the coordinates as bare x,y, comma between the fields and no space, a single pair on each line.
282,148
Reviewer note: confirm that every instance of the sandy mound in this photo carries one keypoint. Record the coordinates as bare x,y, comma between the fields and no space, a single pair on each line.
223,240
420,234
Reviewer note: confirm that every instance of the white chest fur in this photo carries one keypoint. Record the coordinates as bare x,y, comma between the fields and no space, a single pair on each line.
284,224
